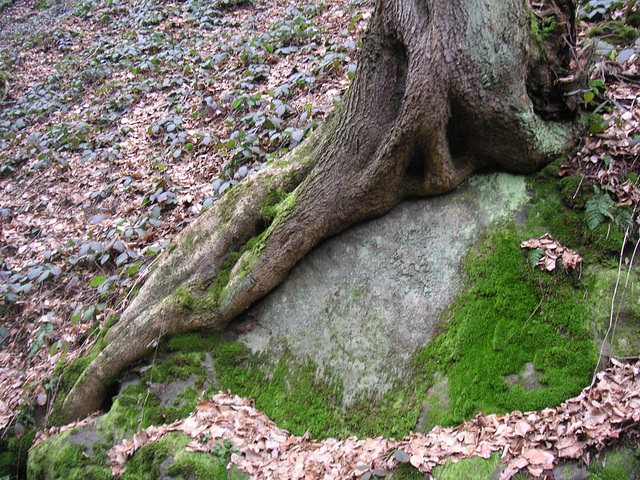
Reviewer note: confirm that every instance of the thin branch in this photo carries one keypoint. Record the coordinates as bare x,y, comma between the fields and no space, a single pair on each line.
578,189
613,302
533,313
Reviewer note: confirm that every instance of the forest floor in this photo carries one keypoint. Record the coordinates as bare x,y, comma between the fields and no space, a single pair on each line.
122,121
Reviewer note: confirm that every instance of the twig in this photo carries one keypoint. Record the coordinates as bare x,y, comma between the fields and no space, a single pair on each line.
578,189
613,302
634,357
533,313
624,291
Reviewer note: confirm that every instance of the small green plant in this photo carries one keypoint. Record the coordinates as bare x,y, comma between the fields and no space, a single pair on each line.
601,208
224,449
535,256
594,9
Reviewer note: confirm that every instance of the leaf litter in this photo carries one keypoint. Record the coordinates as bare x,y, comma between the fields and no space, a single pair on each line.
535,441
553,253
89,194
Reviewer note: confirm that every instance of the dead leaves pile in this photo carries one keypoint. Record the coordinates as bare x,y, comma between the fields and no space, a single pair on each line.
552,252
535,441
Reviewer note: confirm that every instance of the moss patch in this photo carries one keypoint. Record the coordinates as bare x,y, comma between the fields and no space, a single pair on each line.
616,465
614,32
13,455
555,210
405,472
59,457
168,457
298,396
277,208
138,406
68,375
493,331
475,468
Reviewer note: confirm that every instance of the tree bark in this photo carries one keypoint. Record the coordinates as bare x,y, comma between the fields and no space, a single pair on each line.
442,89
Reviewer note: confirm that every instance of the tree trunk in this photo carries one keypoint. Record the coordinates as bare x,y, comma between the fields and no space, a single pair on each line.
442,89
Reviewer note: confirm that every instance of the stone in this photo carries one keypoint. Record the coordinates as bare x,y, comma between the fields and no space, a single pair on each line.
528,378
363,302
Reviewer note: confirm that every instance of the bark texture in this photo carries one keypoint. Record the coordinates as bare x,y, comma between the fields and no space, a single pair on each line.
442,89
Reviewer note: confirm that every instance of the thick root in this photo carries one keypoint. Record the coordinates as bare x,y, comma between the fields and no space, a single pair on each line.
435,98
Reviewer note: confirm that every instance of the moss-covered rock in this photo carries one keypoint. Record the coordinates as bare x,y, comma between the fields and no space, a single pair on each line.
622,464
61,457
614,32
513,338
13,455
509,316
469,469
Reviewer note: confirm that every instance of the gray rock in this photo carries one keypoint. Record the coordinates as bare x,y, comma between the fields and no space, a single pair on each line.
528,378
362,302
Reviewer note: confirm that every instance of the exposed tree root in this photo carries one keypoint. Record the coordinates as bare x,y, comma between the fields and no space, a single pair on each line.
442,89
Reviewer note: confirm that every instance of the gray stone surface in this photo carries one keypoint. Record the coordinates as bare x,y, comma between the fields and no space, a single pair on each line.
362,302
528,378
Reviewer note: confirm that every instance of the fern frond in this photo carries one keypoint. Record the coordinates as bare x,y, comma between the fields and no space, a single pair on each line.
535,256
623,218
598,209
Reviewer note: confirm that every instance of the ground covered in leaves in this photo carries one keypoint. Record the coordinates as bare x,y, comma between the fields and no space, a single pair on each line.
532,441
121,121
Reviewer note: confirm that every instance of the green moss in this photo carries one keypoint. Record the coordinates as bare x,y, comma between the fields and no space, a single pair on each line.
13,455
192,342
294,395
71,372
147,463
575,191
633,18
486,337
68,375
137,406
492,333
58,457
405,472
298,396
475,468
614,32
541,28
269,207
227,204
109,322
554,210
277,208
212,466
616,465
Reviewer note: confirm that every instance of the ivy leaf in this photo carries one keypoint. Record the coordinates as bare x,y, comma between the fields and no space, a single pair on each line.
401,456
97,281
